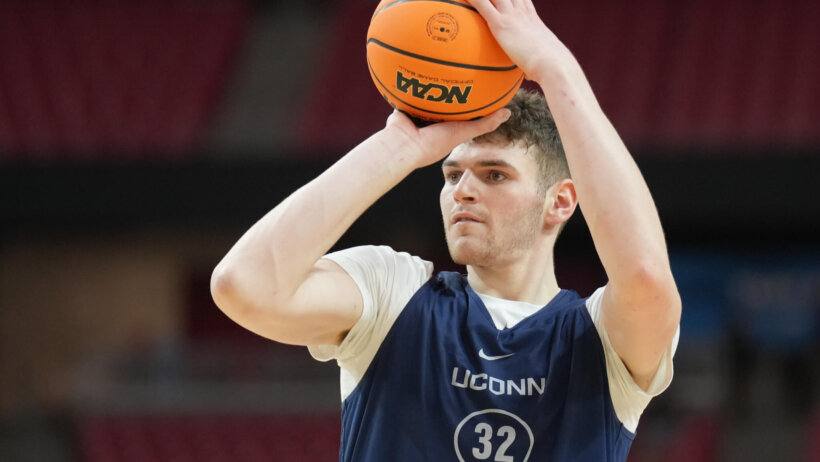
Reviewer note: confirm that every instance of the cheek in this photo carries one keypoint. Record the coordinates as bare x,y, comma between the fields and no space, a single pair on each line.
522,212
444,200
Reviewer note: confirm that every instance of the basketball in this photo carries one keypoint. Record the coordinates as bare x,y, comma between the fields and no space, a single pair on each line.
436,60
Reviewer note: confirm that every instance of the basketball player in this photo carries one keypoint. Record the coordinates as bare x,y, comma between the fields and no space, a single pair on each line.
499,364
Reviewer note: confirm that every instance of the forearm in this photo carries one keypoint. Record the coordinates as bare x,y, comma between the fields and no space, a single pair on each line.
276,254
641,306
612,193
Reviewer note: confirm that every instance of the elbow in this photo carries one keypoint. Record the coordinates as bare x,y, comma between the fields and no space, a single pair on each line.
652,274
223,287
240,294
230,292
231,295
653,285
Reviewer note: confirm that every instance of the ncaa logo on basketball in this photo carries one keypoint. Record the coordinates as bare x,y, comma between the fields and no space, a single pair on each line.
437,60
432,91
442,27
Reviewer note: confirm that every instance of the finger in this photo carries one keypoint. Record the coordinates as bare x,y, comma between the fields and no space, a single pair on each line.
529,6
396,116
471,129
485,8
521,5
503,5
392,115
494,120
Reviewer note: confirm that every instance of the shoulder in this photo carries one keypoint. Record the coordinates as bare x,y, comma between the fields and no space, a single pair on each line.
378,254
369,263
387,280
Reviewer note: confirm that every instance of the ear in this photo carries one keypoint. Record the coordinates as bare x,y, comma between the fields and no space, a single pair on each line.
561,202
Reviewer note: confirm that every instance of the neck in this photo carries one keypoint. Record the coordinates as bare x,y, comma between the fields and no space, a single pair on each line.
531,279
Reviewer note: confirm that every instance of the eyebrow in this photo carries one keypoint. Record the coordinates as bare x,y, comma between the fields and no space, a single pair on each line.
482,163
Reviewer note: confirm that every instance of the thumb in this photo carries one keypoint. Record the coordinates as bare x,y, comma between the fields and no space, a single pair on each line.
474,128
444,136
495,119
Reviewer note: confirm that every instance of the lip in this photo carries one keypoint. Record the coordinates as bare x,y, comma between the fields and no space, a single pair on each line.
464,217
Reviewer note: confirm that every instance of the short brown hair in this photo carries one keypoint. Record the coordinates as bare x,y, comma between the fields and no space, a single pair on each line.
531,123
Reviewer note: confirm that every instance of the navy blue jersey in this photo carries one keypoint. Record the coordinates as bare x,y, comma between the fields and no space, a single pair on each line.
446,384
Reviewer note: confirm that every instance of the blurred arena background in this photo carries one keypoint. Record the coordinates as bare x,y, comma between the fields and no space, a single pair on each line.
140,138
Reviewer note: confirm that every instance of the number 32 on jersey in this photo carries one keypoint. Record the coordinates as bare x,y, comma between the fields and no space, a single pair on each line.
493,435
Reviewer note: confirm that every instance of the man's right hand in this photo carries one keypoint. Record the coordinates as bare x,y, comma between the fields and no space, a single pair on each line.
432,143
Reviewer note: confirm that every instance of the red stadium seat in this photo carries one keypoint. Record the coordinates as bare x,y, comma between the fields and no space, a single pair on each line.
101,79
206,438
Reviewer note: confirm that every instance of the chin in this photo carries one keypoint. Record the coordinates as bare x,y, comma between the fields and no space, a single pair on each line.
466,254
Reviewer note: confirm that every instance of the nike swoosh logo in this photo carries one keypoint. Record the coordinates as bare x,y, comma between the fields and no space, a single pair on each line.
483,355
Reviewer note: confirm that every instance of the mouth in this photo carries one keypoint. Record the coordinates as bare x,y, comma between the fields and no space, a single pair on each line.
464,218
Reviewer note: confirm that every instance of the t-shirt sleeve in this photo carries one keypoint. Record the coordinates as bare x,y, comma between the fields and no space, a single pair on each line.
387,280
628,399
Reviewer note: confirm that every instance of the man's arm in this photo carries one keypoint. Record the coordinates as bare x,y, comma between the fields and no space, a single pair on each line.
274,282
641,306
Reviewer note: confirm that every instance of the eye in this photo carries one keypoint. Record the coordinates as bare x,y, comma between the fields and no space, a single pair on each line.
452,177
496,176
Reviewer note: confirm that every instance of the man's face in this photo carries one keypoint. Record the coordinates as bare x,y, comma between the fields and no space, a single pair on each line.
491,203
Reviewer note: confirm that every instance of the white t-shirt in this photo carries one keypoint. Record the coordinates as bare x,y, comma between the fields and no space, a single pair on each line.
388,279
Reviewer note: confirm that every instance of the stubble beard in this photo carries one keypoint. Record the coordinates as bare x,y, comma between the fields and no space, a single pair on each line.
499,246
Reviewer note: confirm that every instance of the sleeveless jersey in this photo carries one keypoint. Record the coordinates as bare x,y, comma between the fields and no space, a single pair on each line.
447,385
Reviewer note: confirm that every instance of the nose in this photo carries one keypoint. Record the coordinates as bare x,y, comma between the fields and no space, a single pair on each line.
465,191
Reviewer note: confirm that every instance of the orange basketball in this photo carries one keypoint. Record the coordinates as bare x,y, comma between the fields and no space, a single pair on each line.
437,60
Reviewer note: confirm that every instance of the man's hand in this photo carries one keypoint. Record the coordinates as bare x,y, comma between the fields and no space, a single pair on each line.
521,33
430,144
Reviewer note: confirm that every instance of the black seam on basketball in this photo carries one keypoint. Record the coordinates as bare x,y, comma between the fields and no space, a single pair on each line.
440,61
451,2
373,73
